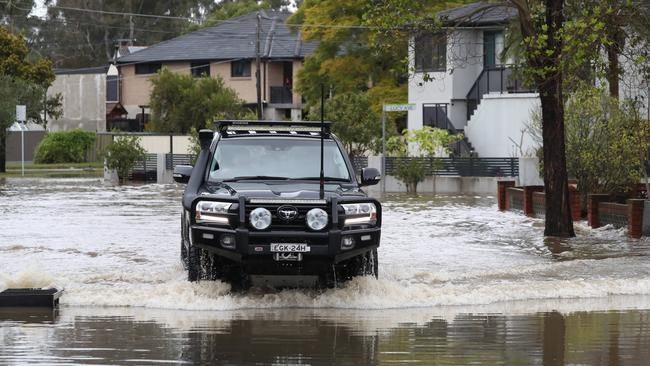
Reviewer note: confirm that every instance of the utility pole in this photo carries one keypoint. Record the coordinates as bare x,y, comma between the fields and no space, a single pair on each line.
257,72
131,26
11,17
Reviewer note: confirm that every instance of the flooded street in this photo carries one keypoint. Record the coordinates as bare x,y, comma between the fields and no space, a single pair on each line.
460,282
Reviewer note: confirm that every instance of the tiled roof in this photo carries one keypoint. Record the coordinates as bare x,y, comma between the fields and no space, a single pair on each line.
479,14
231,39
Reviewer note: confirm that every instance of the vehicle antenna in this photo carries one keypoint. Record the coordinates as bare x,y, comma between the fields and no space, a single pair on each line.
322,136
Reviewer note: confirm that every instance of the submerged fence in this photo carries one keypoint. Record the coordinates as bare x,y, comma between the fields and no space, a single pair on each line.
464,167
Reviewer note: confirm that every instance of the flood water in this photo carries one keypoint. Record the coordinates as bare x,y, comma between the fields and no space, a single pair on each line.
460,283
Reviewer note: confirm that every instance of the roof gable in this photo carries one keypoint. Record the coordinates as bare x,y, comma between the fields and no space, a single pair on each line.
479,14
230,39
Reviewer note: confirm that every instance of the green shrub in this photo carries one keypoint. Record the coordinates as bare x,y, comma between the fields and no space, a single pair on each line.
122,154
64,147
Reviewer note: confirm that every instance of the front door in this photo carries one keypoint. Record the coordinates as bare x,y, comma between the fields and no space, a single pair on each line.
490,49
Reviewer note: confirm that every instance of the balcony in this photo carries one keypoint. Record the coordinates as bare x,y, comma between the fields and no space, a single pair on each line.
501,79
281,95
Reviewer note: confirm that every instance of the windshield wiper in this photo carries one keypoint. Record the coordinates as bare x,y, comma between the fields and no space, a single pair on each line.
255,177
327,179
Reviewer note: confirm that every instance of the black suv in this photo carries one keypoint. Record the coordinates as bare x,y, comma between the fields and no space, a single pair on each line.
277,203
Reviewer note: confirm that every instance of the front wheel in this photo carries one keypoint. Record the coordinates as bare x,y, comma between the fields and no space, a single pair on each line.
366,264
193,263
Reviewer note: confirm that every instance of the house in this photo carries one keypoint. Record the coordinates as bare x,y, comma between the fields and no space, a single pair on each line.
228,49
462,82
84,99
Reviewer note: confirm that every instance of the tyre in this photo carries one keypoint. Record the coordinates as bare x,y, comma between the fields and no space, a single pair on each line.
193,263
366,264
185,239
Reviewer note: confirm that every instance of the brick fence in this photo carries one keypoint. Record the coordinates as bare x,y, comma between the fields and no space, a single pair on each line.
531,200
628,215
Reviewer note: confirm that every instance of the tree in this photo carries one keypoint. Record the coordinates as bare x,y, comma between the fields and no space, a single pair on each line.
180,102
427,144
21,80
347,59
227,9
607,142
122,154
79,33
354,122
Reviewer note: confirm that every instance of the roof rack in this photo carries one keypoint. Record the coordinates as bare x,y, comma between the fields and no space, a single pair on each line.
250,127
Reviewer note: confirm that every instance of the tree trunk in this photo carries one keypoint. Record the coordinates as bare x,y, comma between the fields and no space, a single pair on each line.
613,50
3,144
547,66
558,207
558,221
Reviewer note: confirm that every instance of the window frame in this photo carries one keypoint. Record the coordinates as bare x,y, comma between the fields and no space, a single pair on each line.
430,52
200,69
147,68
437,107
247,64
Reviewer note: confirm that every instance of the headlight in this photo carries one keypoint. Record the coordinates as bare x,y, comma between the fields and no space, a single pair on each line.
211,211
360,214
260,218
316,219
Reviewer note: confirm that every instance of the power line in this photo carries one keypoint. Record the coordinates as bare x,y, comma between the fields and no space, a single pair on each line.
334,26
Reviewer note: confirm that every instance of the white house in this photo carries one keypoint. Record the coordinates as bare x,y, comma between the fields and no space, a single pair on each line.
462,82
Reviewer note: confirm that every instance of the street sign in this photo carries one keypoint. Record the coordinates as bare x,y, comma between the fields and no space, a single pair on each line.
21,113
399,107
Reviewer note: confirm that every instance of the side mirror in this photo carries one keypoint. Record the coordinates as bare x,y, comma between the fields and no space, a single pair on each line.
182,173
370,176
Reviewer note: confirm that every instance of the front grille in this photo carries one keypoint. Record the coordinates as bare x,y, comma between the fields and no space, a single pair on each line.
297,224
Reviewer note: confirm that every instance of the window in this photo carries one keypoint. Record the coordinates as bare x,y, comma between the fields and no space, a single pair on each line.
147,68
430,53
435,115
200,69
240,68
288,158
112,88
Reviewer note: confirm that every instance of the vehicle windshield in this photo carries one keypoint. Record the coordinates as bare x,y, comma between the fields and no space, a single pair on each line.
276,158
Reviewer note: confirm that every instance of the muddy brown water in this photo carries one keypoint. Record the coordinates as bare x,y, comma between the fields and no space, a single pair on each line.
460,283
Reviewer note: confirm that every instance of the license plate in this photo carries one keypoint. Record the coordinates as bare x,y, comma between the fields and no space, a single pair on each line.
290,248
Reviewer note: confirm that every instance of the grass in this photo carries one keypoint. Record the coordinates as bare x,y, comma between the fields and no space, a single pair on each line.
62,170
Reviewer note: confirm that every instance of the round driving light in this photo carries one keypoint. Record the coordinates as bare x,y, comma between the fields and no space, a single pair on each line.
260,218
316,219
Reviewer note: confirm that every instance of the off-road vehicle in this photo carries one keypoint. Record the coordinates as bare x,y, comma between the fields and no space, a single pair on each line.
277,203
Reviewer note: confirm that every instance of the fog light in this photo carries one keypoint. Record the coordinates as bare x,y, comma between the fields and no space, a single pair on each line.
347,242
228,241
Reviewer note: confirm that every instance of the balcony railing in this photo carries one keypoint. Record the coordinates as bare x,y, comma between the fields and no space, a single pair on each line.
502,78
281,95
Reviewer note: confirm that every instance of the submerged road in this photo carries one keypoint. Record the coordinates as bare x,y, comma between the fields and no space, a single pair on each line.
441,259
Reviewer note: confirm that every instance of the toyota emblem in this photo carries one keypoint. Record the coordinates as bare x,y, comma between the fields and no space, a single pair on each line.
287,213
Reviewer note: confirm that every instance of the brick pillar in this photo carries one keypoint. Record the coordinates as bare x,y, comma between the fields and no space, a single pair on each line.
528,199
574,201
635,217
502,186
592,208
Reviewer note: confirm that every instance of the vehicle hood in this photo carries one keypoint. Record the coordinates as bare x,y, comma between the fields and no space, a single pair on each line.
288,190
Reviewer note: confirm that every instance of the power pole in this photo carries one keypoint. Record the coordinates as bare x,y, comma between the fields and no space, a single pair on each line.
258,68
131,24
11,17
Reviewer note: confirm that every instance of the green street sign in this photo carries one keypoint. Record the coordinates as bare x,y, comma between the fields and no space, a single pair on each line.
399,107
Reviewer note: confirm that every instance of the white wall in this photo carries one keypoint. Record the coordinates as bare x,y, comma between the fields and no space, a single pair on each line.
464,65
84,102
499,118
